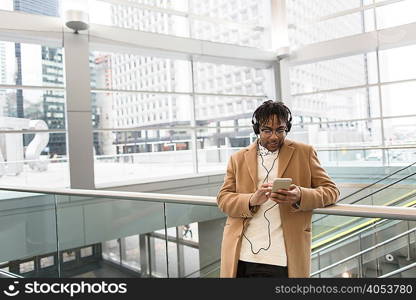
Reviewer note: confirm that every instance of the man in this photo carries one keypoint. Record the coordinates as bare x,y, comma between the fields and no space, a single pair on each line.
269,234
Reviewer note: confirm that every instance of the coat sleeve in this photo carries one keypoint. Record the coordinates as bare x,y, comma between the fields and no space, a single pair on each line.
324,192
229,201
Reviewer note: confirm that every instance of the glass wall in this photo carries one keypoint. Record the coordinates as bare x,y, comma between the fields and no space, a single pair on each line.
316,21
353,101
37,7
146,110
147,107
190,114
32,116
239,22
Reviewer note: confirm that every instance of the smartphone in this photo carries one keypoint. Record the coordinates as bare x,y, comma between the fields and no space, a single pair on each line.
281,184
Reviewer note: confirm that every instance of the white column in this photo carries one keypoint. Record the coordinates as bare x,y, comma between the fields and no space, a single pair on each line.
78,111
194,138
280,43
284,81
278,25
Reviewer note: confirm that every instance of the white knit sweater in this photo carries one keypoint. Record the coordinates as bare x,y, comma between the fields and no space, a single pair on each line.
257,231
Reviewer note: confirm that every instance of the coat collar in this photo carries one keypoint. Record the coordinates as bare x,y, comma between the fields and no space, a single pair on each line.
285,155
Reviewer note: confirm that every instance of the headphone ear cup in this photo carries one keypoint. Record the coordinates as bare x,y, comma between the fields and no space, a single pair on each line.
256,128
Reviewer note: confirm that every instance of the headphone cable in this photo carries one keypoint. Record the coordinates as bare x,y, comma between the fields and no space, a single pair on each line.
264,215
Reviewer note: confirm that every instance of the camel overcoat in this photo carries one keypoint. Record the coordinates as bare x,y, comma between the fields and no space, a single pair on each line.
297,161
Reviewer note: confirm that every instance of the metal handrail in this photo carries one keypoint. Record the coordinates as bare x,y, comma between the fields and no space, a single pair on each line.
413,265
135,196
5,274
364,251
368,211
205,267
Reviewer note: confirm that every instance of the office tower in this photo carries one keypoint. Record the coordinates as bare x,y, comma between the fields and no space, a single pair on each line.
52,74
308,24
147,73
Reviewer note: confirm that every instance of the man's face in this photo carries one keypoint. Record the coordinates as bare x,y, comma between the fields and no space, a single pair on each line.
272,134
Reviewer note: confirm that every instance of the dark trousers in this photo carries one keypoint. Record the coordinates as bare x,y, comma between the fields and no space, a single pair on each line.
249,269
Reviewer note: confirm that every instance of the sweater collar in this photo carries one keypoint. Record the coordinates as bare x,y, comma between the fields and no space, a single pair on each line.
263,151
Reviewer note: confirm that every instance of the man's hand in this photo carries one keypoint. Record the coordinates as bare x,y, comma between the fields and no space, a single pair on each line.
290,196
261,195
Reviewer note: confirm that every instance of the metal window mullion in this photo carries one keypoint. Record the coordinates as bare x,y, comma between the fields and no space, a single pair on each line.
30,87
58,252
380,97
277,78
355,87
366,65
194,140
210,127
24,131
97,90
362,8
280,39
187,15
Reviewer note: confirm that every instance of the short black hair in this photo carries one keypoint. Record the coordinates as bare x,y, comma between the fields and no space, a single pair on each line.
264,112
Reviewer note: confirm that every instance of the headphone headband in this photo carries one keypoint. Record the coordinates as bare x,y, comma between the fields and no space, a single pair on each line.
255,123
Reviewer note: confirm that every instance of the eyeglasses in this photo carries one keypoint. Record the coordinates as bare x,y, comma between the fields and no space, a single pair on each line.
278,131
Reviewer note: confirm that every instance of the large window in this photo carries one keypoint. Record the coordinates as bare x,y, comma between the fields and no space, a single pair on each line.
353,101
32,116
146,108
241,22
312,21
37,7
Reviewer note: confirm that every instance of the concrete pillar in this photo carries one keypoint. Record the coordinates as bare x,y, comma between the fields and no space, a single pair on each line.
210,238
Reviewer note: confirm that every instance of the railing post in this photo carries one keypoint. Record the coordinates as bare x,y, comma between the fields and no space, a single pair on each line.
360,258
408,243
58,254
319,263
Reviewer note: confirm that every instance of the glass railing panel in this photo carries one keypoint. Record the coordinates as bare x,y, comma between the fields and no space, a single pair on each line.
379,248
391,256
5,274
198,237
28,234
408,271
324,255
394,174
371,194
347,269
402,193
333,228
209,271
111,237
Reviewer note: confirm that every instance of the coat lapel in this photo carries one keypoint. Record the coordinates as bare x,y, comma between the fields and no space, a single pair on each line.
284,157
251,160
